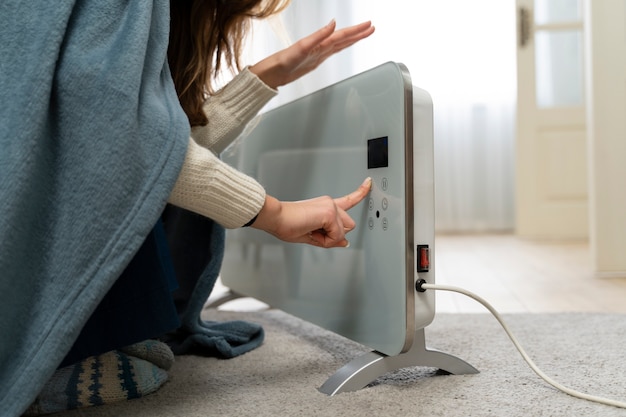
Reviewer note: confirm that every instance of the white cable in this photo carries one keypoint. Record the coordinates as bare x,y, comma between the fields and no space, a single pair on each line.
532,365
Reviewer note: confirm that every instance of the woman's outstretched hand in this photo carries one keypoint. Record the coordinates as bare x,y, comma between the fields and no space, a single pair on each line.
308,53
320,221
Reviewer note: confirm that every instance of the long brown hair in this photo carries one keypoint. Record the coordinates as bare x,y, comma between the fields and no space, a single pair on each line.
204,36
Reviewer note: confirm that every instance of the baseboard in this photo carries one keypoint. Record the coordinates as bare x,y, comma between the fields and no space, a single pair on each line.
609,274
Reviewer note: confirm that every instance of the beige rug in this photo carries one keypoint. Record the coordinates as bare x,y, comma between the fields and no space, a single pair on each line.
281,378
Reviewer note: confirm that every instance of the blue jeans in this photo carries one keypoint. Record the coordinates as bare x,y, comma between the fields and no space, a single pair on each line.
138,306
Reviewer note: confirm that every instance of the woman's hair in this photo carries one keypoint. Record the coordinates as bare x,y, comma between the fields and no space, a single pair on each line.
205,35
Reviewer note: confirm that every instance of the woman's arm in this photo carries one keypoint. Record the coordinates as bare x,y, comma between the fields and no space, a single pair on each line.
231,109
210,187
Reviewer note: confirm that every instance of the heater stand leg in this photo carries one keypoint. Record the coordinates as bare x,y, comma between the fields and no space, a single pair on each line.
364,369
229,295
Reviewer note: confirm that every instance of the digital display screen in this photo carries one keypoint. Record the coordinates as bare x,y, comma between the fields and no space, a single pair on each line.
378,152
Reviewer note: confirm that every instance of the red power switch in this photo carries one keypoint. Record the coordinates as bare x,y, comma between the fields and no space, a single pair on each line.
423,258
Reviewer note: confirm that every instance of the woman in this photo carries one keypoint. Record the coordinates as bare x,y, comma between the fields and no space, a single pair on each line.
90,88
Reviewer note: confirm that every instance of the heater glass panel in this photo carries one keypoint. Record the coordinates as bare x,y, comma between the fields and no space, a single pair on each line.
327,143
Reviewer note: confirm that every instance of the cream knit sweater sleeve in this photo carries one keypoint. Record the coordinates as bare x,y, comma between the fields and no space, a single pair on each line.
231,109
205,184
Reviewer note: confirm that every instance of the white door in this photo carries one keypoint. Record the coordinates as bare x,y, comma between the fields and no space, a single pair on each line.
551,161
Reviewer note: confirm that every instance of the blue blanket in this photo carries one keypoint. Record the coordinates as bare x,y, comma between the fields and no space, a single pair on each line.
91,141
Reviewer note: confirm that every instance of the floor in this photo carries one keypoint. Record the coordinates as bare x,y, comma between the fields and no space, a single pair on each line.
512,274
519,275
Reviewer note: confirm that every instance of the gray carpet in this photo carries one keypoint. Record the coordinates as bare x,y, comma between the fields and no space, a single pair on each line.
582,351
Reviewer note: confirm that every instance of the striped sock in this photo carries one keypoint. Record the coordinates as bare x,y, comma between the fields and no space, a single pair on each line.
97,380
153,351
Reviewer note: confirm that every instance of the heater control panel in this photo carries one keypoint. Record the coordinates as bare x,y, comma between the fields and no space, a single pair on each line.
378,206
378,201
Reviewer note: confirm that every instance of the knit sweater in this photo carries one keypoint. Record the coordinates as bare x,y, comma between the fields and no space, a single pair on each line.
208,186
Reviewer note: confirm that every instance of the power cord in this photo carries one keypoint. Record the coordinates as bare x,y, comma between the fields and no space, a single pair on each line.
423,286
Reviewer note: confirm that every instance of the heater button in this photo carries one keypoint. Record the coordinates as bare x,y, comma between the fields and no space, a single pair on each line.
423,258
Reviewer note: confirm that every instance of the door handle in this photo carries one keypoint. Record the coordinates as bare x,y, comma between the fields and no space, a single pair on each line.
524,22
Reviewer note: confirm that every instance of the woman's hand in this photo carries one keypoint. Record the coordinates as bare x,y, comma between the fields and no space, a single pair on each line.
308,53
321,221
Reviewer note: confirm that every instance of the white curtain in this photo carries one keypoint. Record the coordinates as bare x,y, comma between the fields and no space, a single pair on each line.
463,53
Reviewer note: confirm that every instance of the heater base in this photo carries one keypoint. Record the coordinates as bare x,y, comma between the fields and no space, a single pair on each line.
364,369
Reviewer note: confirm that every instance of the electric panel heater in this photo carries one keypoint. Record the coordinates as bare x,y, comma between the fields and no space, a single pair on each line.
374,124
